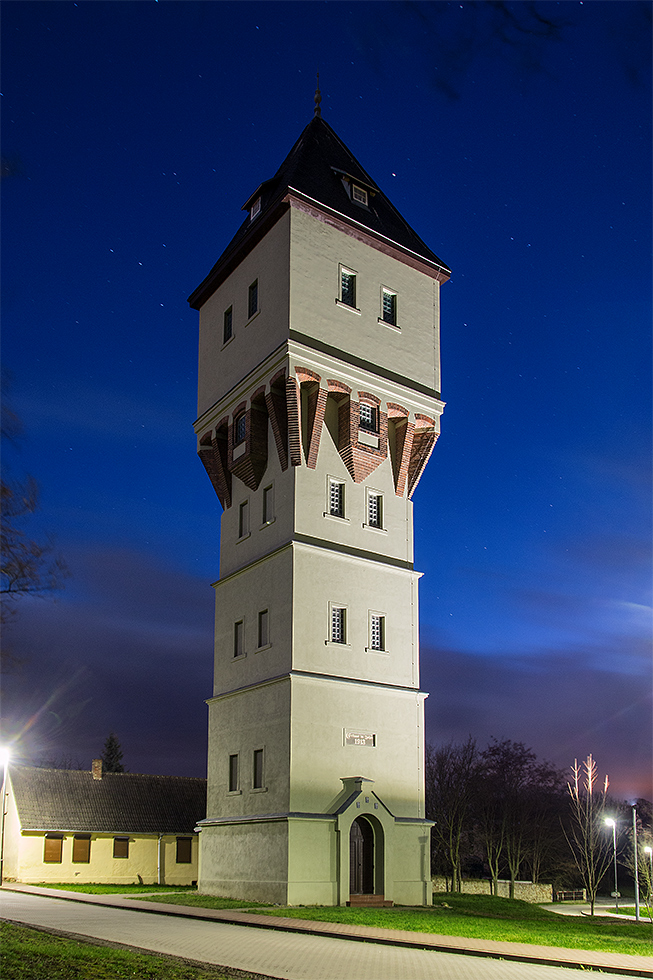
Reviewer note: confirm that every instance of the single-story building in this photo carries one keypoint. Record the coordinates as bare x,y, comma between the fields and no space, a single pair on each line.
67,825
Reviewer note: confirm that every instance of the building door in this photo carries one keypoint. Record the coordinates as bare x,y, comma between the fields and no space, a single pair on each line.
361,858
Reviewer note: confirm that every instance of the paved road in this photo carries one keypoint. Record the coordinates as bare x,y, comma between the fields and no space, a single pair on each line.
290,956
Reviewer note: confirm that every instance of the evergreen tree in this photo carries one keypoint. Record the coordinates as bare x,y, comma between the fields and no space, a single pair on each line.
112,755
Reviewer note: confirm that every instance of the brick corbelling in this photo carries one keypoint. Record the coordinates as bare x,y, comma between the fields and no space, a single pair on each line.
279,378
424,421
213,454
423,444
278,412
364,396
339,386
403,448
396,411
294,432
304,374
317,400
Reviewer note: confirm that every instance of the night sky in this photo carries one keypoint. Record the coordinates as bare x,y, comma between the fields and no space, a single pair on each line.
521,153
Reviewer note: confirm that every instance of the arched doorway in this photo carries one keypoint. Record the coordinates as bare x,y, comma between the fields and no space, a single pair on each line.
361,858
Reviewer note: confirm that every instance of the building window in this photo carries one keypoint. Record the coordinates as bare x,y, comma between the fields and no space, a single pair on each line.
243,519
375,509
389,312
255,209
268,505
257,773
263,630
252,302
358,194
240,428
53,849
239,638
184,850
227,329
377,632
368,417
233,773
81,848
348,288
336,498
338,624
121,847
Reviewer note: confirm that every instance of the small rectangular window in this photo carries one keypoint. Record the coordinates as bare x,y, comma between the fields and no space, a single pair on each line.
390,307
257,775
263,634
375,509
184,850
368,417
336,498
240,428
243,519
53,849
255,209
81,849
268,505
252,303
233,773
359,194
121,847
227,330
338,624
377,632
239,638
348,288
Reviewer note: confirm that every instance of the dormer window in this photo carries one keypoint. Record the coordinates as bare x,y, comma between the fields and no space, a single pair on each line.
358,194
255,209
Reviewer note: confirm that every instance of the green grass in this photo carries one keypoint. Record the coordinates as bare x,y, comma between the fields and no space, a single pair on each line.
97,889
487,917
205,902
30,954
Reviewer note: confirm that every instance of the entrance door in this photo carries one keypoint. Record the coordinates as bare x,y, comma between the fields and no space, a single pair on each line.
361,858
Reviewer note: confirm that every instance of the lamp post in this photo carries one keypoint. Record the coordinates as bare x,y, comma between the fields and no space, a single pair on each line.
636,867
4,760
615,894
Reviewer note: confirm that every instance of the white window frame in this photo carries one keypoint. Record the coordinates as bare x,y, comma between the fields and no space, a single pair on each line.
345,270
362,197
370,493
376,620
343,609
334,482
389,323
374,409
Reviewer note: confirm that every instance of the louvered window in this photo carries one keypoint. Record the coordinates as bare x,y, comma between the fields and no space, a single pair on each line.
338,624
348,288
377,630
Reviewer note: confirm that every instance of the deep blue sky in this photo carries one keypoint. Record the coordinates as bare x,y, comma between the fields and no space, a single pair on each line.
135,132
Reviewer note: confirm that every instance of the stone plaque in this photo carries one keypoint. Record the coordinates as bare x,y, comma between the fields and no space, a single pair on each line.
359,738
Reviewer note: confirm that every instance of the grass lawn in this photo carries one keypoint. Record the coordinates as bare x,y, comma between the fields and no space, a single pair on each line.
29,954
205,902
487,917
95,889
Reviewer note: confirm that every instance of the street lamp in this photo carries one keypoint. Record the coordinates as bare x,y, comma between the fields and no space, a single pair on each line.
4,761
615,894
636,867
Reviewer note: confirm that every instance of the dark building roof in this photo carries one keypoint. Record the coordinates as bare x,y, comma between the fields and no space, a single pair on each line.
119,803
316,167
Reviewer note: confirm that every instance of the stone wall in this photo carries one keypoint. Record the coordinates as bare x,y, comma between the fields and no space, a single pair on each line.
526,891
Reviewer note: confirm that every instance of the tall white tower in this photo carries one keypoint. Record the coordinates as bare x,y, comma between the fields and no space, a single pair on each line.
319,406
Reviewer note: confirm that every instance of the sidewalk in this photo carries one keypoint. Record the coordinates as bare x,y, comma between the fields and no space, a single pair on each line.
616,963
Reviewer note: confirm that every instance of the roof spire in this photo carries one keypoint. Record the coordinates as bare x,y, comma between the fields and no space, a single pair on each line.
318,98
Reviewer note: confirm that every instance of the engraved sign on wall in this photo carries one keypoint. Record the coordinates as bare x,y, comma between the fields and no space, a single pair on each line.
355,737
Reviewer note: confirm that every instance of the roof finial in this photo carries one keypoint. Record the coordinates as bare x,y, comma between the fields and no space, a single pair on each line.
318,98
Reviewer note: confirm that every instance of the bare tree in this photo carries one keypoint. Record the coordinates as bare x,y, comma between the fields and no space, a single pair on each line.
590,845
451,772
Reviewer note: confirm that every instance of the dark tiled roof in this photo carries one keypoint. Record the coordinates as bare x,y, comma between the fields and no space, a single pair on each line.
70,800
315,167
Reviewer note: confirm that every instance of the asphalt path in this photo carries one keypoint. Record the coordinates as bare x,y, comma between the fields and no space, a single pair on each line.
284,955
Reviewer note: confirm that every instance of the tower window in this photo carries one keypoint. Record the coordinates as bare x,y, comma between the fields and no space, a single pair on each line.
257,773
252,302
338,624
377,632
336,498
389,311
268,505
239,638
184,850
375,509
233,773
263,628
255,209
358,194
240,428
368,417
348,288
227,330
243,519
